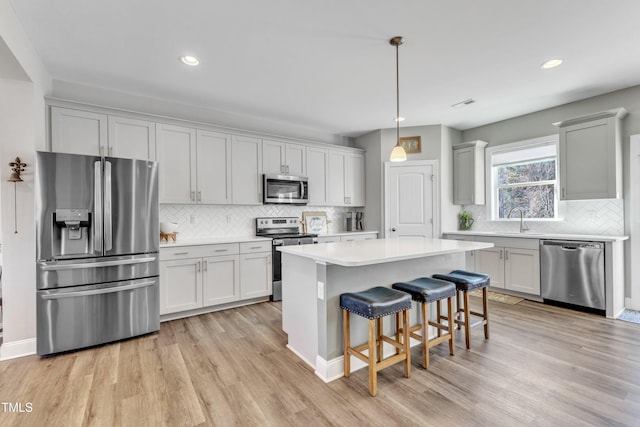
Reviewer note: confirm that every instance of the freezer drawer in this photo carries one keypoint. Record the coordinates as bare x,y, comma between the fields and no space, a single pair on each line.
83,316
79,272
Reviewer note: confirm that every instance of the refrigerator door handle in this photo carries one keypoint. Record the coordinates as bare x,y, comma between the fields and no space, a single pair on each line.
77,266
108,225
97,200
110,289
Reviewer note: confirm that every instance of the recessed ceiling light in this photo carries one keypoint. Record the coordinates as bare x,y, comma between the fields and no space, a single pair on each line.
399,119
189,60
552,63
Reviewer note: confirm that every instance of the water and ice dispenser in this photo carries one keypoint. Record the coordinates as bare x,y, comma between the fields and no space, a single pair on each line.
71,232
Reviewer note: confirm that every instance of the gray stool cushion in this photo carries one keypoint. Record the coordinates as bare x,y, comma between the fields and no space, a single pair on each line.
375,302
426,289
465,280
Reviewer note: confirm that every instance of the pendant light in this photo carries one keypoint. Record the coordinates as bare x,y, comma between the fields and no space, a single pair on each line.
398,154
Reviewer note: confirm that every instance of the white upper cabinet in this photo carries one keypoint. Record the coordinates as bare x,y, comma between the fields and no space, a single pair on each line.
354,180
176,151
590,156
317,166
246,170
213,166
283,158
468,173
335,178
78,132
90,133
345,179
131,138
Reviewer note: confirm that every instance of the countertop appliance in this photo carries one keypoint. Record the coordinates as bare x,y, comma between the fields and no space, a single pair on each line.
355,221
572,274
285,189
285,231
97,248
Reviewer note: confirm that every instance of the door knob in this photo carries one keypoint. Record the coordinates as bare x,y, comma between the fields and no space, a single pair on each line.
393,229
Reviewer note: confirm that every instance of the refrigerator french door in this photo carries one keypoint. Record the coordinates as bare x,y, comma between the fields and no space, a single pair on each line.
97,250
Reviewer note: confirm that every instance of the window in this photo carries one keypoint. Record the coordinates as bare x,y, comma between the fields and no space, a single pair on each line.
524,175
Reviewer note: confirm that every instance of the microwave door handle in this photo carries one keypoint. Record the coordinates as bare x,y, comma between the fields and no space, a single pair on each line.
302,190
108,225
97,201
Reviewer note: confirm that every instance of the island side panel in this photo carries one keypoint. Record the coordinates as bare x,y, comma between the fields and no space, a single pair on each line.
341,279
299,306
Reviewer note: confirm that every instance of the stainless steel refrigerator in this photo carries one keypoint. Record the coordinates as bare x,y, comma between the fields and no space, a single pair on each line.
97,250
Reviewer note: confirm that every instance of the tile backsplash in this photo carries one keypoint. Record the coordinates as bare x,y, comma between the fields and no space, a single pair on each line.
196,221
601,217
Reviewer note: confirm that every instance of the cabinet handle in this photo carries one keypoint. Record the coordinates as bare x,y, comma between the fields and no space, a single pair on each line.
563,192
193,196
255,247
500,253
205,265
181,253
199,266
221,250
287,168
110,151
199,196
101,150
506,255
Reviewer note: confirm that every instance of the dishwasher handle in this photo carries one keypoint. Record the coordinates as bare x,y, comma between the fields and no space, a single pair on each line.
571,245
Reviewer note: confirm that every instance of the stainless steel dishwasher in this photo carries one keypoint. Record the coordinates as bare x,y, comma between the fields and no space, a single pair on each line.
572,274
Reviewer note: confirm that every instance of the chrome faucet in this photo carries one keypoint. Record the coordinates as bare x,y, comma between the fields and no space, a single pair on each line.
523,225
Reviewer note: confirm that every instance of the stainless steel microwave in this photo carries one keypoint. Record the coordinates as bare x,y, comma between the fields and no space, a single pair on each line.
285,189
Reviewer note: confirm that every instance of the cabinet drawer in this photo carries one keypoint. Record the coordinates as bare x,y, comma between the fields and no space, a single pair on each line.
218,250
252,247
180,252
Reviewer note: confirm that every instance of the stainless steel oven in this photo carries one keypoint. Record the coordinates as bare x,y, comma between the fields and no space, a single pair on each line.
284,232
285,189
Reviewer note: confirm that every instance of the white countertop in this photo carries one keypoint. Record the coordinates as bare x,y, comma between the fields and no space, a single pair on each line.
534,235
367,252
347,233
211,241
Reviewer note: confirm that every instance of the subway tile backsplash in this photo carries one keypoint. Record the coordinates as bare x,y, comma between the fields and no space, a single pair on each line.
223,220
601,217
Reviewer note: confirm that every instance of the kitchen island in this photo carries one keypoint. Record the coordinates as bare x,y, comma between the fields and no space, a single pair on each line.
314,276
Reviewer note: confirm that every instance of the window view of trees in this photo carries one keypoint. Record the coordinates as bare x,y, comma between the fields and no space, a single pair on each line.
527,185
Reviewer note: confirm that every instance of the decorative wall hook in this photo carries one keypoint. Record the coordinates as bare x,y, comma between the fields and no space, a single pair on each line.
17,167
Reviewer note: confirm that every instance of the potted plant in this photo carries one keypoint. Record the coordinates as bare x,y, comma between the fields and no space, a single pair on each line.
464,220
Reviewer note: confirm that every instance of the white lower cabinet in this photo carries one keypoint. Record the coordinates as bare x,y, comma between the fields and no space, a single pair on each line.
180,285
255,275
220,280
511,268
193,277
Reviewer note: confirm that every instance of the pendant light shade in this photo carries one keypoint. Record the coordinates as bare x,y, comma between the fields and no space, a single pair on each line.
398,154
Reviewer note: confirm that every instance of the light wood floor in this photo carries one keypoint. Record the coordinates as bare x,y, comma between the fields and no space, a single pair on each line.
542,366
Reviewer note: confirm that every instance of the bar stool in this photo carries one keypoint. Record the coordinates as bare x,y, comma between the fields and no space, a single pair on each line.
467,281
374,304
425,290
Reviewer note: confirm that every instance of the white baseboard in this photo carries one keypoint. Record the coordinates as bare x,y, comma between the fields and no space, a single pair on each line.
15,349
304,359
631,304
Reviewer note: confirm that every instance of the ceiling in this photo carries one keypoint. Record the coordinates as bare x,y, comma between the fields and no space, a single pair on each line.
328,65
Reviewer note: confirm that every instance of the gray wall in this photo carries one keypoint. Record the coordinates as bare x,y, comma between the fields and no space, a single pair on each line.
168,108
540,124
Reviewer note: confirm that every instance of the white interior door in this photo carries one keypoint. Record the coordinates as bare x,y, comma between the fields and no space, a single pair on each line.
634,222
411,199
